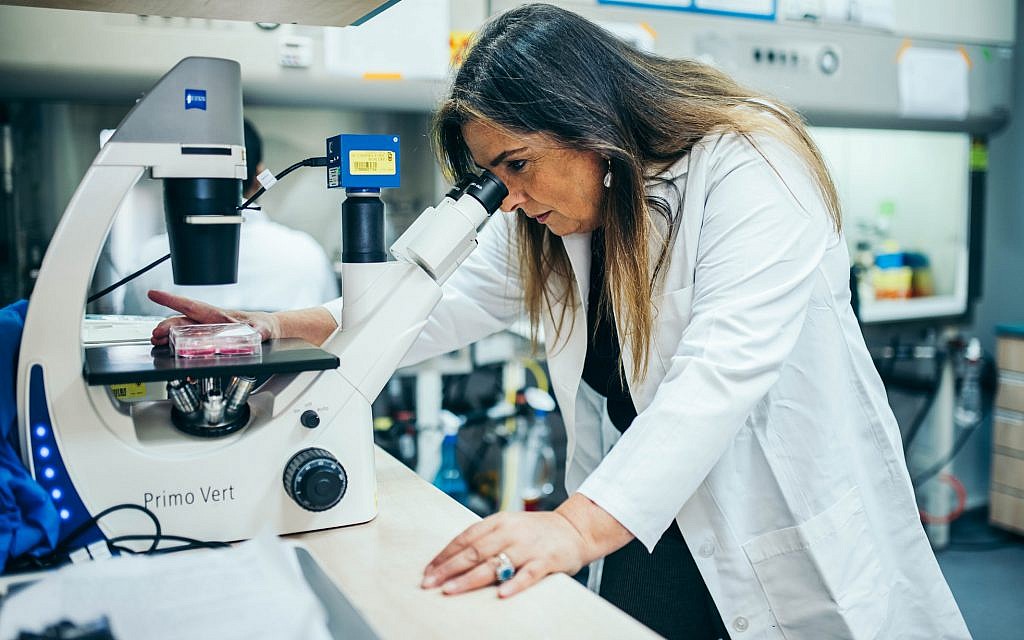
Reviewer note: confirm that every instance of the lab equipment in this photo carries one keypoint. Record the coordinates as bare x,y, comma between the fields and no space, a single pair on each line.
539,469
968,410
449,477
209,340
220,459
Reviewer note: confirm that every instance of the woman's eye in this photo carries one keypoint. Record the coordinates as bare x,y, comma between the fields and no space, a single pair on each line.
516,165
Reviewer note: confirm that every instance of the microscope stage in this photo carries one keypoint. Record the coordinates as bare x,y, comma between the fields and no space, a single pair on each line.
126,363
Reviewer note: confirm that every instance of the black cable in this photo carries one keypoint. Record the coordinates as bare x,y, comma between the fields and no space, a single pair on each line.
61,552
96,296
189,543
85,526
59,555
308,162
935,469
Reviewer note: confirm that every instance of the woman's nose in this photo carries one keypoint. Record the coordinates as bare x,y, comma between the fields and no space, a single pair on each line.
514,200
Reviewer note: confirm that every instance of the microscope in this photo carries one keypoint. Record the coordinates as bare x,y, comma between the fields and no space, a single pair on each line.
279,439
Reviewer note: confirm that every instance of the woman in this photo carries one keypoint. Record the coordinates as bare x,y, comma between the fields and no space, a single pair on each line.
678,239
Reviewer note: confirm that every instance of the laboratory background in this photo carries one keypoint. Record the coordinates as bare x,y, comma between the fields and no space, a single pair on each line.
364,467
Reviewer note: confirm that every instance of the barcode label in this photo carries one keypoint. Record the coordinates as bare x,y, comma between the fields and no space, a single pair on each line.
130,391
372,163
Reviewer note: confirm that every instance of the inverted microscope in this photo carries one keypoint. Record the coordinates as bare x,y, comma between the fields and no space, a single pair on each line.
279,439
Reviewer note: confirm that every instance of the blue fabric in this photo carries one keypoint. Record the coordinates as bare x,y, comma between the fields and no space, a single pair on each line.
28,519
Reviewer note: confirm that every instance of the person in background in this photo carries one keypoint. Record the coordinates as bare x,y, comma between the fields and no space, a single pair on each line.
733,467
278,267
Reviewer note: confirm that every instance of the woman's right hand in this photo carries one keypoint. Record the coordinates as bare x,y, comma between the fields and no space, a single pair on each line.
196,312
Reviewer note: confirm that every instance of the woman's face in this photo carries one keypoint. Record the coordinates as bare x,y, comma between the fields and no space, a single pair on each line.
557,187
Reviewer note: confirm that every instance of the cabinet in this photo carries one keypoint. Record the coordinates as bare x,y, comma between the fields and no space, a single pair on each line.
1007,488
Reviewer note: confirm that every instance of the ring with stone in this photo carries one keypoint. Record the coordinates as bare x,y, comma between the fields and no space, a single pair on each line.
505,569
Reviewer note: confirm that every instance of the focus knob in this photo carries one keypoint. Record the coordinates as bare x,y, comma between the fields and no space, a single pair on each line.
315,479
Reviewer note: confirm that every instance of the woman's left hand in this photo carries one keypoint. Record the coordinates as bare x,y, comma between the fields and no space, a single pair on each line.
536,543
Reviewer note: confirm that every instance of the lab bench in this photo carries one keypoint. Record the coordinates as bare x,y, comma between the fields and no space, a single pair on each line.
378,566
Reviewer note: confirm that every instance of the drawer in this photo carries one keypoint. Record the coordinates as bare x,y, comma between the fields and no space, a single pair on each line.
1011,354
1007,470
1011,391
1008,430
1006,510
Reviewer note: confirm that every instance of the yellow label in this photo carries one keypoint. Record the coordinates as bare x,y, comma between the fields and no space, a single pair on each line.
129,391
372,163
979,156
458,42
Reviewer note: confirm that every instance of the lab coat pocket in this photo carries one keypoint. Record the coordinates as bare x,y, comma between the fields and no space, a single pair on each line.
673,316
823,578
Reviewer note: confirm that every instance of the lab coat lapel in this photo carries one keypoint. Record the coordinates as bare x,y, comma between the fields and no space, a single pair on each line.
567,353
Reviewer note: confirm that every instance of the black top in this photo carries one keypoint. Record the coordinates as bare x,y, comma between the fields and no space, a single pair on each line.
601,368
664,589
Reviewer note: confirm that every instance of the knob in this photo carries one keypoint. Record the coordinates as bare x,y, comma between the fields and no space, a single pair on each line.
310,419
828,61
315,479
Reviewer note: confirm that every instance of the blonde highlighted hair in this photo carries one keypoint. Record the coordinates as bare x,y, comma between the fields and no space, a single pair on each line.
541,69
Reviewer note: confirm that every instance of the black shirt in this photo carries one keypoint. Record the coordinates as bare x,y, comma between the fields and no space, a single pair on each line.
601,368
664,589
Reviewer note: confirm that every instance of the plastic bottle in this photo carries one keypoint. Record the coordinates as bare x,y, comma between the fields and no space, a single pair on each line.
449,477
539,463
864,262
967,411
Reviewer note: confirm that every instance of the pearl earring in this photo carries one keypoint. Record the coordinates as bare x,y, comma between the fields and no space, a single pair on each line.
608,176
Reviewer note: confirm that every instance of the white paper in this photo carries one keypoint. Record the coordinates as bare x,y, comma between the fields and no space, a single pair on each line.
677,4
750,7
253,590
869,13
409,40
933,83
104,329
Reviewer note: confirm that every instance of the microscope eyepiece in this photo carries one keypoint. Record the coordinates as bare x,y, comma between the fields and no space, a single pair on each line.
460,187
488,190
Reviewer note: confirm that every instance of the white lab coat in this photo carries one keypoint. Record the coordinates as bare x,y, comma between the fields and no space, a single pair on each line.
762,428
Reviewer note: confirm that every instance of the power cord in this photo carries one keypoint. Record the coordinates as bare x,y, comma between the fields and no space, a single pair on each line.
320,161
61,553
308,162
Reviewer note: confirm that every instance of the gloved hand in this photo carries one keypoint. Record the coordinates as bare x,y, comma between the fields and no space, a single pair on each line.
196,312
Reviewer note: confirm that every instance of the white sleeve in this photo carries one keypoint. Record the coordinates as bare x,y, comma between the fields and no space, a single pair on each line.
482,297
758,252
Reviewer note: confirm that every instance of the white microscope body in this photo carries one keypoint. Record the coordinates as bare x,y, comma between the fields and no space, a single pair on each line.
92,452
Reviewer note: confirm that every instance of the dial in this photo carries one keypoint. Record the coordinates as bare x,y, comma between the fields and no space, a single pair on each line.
315,479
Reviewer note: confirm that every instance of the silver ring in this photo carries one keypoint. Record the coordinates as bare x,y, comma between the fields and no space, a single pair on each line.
505,569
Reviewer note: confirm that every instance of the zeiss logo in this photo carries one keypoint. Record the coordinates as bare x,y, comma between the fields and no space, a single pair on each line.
195,99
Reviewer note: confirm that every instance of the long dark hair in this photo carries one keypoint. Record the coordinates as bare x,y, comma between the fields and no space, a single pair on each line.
542,69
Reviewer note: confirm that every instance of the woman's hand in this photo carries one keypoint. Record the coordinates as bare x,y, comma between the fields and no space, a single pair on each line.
196,312
537,544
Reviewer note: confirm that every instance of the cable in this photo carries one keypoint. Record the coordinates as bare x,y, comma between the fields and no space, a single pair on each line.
538,373
189,543
64,545
61,553
926,475
308,162
96,296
